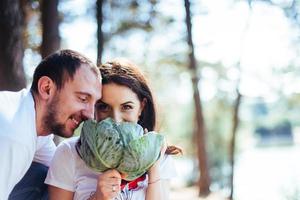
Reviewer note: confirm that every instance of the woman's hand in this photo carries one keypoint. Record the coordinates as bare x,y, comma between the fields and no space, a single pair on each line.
108,185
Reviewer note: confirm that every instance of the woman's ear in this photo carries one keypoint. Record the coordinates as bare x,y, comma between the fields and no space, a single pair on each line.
46,87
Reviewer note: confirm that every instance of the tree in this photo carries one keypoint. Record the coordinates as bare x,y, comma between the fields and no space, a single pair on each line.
12,76
237,105
200,131
235,124
100,35
120,19
50,27
50,36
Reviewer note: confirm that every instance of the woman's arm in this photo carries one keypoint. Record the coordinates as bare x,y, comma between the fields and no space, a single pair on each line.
154,189
157,188
108,187
58,193
61,173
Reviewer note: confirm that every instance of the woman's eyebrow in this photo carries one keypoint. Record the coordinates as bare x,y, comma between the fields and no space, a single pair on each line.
127,102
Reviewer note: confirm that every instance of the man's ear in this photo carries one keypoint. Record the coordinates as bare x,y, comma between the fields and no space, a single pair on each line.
46,87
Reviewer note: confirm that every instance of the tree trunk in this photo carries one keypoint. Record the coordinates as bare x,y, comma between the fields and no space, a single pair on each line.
50,38
12,76
100,36
237,104
200,132
233,139
50,27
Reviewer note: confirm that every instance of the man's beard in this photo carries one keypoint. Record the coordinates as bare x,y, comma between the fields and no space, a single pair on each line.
50,120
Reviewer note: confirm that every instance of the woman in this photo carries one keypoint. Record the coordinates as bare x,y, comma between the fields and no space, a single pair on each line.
125,97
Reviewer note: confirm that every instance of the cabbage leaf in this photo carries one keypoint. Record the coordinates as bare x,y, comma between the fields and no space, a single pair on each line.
121,146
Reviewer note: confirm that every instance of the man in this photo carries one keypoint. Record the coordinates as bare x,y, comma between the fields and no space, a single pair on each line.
65,88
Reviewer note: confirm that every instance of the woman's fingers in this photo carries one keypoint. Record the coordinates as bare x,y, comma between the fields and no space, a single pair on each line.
174,150
109,184
113,173
111,190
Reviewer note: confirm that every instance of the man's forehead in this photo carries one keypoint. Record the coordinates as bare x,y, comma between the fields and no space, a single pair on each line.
85,82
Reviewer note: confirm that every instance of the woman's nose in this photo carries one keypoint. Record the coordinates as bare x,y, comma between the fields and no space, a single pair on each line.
117,116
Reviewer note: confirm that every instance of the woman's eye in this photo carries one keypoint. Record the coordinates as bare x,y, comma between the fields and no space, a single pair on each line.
126,107
101,107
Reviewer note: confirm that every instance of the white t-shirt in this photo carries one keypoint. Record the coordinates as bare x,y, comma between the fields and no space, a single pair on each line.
69,172
45,149
18,139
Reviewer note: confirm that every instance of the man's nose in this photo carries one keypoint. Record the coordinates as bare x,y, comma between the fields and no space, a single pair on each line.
89,111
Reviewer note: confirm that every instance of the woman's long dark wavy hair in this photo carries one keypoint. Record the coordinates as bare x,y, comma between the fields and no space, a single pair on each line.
125,73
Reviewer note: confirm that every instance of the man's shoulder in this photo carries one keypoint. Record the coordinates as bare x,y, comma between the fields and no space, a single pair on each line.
11,101
13,95
17,116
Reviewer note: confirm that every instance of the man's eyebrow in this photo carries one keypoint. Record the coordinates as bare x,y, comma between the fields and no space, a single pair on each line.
83,93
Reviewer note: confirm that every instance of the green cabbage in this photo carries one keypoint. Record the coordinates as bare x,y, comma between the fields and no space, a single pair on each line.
121,146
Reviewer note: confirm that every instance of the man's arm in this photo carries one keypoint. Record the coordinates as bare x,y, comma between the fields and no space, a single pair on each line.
13,165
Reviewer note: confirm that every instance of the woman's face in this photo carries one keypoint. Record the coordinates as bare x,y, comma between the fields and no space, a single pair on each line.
119,103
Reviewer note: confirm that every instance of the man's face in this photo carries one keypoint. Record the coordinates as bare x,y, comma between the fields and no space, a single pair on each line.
73,104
